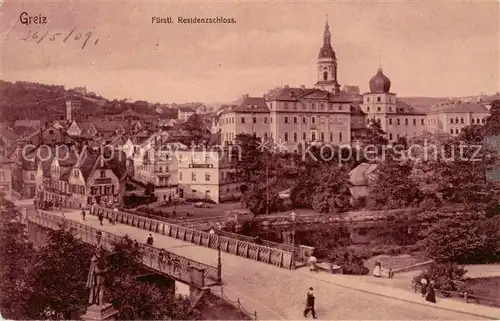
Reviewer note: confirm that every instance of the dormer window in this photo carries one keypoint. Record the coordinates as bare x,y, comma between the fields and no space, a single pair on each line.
103,173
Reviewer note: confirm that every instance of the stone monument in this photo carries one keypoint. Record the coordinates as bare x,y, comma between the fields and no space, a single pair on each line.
98,309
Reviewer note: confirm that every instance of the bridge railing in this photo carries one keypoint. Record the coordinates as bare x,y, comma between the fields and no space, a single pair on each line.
176,266
250,250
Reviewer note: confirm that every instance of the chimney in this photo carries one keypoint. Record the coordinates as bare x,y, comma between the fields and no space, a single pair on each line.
69,111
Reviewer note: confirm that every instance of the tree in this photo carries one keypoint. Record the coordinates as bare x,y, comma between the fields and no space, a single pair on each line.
248,157
393,187
17,254
447,276
375,137
332,193
64,296
464,239
492,124
256,199
197,129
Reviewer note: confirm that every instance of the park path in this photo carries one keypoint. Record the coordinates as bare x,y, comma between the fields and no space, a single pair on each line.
277,293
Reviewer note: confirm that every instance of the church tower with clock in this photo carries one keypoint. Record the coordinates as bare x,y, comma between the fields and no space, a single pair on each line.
327,65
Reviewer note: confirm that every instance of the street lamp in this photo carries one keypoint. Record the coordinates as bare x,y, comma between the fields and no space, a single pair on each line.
219,261
293,217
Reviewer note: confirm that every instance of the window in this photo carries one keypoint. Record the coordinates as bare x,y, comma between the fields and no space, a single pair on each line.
368,109
390,121
265,136
322,135
406,121
286,137
295,137
483,120
313,106
294,105
286,120
265,120
390,109
331,136
285,105
103,174
456,131
340,137
313,136
304,120
340,107
255,120
390,136
472,120
451,120
242,120
331,106
461,120
378,109
294,119
414,122
456,120
207,177
313,120
398,122
193,177
51,132
421,121
322,106
451,131
325,75
378,99
304,136
322,120
2,177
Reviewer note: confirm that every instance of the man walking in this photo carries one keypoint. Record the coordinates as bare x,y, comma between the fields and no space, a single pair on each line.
310,304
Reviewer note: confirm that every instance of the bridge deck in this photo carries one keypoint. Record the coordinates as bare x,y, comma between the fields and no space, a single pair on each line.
280,294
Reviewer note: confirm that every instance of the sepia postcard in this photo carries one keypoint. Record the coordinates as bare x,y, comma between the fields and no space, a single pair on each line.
249,160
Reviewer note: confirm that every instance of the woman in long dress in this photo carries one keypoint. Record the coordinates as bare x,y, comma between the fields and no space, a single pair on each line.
377,270
430,295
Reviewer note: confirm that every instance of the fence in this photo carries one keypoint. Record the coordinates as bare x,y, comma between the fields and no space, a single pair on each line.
238,305
249,250
468,297
176,266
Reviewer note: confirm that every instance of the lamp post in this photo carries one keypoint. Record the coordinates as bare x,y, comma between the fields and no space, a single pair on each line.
292,217
219,261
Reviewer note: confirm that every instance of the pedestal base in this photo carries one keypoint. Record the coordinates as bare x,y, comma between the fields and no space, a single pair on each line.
100,312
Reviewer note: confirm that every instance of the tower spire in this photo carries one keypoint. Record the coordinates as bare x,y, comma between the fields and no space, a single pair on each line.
379,64
327,35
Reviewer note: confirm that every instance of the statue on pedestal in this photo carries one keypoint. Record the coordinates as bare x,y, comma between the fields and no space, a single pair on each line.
96,277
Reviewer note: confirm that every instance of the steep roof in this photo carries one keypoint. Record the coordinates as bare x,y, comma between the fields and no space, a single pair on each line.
296,94
251,104
28,123
360,175
461,107
356,110
403,108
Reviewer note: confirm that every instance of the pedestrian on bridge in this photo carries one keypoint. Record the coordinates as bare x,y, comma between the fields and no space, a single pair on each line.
310,304
100,217
83,214
149,241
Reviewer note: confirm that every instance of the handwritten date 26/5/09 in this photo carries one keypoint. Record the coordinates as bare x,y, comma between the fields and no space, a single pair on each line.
72,36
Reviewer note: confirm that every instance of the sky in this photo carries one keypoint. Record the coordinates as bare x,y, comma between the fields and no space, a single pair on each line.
426,48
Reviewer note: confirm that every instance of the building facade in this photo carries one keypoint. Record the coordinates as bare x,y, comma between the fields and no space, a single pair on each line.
6,176
206,174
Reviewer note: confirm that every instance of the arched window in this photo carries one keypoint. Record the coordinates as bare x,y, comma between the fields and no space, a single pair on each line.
325,75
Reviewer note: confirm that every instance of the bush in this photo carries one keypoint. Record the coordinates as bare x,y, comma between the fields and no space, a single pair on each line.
348,261
196,200
464,239
447,277
134,200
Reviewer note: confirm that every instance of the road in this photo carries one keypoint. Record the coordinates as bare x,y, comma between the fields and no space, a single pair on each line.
277,293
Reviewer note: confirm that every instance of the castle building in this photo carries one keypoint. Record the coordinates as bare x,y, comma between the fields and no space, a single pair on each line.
299,116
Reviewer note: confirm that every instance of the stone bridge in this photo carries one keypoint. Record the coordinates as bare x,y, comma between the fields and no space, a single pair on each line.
198,276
